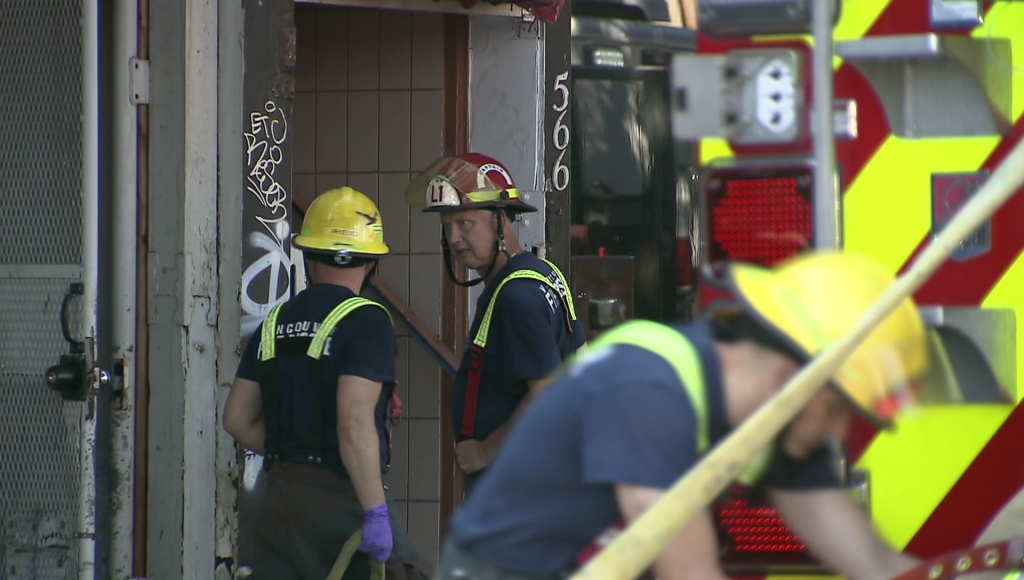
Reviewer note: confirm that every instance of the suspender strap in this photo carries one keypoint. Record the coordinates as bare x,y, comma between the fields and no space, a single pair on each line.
319,342
563,293
318,411
476,350
476,368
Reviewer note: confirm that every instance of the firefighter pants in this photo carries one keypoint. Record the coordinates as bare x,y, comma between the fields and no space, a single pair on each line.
458,564
306,515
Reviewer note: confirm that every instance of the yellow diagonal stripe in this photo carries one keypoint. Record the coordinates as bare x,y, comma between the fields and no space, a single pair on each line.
711,149
856,18
887,209
912,469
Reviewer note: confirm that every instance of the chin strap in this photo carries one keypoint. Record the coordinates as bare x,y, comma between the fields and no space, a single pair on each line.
368,278
499,245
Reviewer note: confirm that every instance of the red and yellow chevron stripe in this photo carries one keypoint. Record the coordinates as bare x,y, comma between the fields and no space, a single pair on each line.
945,472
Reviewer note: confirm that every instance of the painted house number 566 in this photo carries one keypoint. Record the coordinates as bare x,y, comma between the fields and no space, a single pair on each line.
560,134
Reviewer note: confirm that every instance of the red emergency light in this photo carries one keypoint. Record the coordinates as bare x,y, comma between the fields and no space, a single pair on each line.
755,539
757,210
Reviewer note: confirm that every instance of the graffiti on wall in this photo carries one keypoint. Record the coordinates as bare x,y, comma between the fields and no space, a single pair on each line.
265,254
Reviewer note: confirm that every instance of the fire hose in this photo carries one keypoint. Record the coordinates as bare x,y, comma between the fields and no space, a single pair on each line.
640,543
349,550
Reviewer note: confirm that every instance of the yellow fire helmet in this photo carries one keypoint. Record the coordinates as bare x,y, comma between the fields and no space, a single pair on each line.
344,222
813,300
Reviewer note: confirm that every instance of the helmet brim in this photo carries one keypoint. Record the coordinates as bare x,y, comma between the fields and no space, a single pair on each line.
516,205
369,251
758,294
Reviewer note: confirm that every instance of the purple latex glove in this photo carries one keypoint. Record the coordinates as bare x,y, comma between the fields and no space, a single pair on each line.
377,541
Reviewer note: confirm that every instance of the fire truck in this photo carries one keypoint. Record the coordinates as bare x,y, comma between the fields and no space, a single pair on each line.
782,127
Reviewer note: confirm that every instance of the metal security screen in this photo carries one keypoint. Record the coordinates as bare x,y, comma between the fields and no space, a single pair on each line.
40,255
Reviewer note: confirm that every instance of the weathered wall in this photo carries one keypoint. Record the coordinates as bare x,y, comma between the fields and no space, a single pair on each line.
506,110
229,214
183,289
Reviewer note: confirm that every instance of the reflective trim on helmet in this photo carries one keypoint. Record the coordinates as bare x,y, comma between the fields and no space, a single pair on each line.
482,196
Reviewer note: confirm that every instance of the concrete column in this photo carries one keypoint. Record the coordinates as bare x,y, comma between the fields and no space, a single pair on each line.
229,215
183,288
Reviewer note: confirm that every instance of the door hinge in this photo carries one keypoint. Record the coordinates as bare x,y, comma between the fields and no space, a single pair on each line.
138,75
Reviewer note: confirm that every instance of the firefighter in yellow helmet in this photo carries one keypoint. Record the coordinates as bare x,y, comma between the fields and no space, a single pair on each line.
315,395
525,324
635,412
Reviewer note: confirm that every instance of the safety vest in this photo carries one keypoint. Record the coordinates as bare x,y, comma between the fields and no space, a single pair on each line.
672,346
476,350
269,389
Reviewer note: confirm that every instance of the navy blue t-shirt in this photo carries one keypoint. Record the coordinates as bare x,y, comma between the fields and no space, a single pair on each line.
528,338
619,416
363,344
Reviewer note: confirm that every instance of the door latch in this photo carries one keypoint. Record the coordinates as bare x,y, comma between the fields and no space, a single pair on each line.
68,377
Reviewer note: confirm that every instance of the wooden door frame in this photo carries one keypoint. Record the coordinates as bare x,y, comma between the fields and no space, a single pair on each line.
454,299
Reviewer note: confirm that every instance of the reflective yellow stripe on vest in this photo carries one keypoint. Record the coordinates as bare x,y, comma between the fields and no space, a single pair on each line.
485,323
267,337
316,346
672,346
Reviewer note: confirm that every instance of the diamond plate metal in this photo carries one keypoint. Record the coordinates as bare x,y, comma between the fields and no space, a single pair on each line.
39,436
41,141
40,226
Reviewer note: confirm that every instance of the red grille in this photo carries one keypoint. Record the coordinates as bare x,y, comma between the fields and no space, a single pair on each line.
760,220
757,529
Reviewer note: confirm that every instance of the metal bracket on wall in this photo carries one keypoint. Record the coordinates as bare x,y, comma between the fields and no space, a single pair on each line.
844,119
937,86
955,13
974,355
751,96
527,25
138,81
